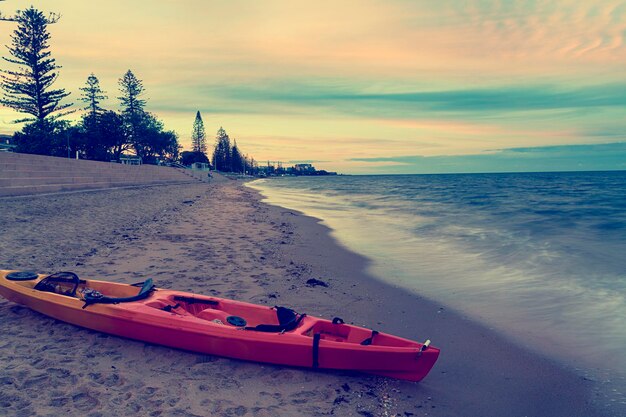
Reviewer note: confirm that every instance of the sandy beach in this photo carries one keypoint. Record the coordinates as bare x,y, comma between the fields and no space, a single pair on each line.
220,239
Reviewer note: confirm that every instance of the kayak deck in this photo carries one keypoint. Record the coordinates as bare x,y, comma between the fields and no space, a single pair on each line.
223,327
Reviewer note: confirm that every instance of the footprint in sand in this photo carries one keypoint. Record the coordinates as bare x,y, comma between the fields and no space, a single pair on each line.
36,381
84,402
59,401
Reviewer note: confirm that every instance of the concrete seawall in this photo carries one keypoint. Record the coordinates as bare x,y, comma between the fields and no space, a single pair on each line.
24,174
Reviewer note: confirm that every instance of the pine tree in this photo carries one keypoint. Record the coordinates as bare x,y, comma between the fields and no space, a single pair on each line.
222,151
236,159
198,135
132,107
94,143
29,88
92,95
132,89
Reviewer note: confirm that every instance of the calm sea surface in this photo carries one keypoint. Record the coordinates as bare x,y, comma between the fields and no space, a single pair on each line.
539,256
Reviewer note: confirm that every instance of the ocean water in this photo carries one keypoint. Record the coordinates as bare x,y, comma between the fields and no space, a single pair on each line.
540,257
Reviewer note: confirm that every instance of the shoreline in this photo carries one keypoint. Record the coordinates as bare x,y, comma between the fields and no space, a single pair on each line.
518,381
586,357
221,239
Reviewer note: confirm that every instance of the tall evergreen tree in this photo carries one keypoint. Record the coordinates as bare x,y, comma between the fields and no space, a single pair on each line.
92,136
132,89
132,108
237,164
198,135
93,142
222,151
29,88
92,95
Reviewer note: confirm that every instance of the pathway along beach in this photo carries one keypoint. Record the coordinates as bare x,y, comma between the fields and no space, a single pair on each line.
219,239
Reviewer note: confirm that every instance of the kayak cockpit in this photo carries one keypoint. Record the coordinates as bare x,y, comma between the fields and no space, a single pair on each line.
92,292
270,319
228,312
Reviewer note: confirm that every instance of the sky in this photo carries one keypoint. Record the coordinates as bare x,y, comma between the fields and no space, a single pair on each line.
377,87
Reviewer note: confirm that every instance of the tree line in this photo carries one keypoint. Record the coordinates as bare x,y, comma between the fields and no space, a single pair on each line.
101,134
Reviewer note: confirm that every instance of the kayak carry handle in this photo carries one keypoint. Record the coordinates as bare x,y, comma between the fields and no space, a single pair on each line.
424,347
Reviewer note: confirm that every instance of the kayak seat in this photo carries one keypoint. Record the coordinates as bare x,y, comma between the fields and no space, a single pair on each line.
97,298
158,304
63,283
287,321
210,315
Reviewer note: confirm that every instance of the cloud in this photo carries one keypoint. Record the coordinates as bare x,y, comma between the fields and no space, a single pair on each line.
587,150
506,99
354,99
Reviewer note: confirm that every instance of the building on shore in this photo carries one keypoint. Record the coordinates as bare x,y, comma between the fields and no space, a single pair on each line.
276,169
303,169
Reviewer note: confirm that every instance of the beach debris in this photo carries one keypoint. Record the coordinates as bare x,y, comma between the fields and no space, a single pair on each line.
188,202
312,282
340,399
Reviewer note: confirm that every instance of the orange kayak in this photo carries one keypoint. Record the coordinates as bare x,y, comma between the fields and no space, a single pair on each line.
218,326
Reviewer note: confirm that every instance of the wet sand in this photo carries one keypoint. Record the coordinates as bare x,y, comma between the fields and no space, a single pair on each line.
220,239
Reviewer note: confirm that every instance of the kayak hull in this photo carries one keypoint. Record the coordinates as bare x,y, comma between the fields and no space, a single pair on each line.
200,324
